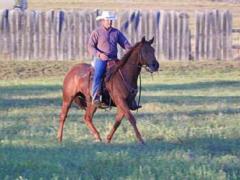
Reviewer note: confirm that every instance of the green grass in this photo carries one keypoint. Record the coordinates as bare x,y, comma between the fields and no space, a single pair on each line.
190,121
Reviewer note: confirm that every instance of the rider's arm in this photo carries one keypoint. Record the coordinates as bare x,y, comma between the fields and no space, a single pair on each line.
122,40
92,44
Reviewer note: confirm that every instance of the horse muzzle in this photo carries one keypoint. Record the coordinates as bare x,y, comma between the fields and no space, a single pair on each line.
153,67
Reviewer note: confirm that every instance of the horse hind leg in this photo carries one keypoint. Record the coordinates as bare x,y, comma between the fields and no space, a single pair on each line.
63,115
90,110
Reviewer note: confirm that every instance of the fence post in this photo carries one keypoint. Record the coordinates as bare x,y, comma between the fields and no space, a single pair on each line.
229,35
5,34
71,33
138,27
36,36
1,30
174,34
87,32
48,34
42,34
165,34
214,35
197,35
218,36
30,34
131,34
64,37
76,38
180,36
185,36
169,25
55,34
81,35
203,36
157,37
13,33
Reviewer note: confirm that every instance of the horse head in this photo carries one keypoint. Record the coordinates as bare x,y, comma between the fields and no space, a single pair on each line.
147,56
143,55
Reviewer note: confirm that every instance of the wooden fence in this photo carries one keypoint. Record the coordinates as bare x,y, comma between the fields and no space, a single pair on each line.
63,35
213,36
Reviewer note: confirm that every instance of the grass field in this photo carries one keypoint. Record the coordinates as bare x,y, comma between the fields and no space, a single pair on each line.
190,121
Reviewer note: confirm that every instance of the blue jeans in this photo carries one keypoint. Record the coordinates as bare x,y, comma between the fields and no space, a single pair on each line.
100,69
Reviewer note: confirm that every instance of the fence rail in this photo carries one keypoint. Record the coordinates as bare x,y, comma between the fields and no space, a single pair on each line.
63,35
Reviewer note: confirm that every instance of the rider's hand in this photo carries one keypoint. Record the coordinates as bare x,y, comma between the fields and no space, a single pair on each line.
103,57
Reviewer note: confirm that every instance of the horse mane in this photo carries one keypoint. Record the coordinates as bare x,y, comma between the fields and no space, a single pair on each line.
127,55
122,62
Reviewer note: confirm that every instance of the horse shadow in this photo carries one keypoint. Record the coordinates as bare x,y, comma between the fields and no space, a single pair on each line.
191,99
10,95
20,96
192,86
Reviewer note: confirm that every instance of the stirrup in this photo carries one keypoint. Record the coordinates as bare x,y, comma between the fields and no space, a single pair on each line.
135,108
96,100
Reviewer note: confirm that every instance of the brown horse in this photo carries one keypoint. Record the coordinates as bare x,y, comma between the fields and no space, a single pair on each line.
121,85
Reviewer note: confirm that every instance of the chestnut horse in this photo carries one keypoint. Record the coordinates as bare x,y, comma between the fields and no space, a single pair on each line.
121,84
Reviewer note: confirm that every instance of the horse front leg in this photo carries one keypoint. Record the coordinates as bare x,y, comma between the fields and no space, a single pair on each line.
128,114
118,120
91,109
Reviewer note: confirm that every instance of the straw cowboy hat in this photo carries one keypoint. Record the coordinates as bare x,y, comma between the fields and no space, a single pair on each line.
107,15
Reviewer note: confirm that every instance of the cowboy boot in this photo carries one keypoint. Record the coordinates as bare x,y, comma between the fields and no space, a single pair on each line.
133,105
96,100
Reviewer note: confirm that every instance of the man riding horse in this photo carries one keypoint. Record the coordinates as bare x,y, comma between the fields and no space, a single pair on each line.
120,82
103,47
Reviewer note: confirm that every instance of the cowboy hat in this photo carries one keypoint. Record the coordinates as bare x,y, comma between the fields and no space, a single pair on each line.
107,15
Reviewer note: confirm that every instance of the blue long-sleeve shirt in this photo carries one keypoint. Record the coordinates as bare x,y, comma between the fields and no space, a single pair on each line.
105,41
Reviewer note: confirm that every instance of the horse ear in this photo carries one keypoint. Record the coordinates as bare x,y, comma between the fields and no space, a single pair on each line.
151,41
143,39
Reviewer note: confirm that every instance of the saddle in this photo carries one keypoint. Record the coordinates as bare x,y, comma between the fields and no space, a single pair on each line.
106,100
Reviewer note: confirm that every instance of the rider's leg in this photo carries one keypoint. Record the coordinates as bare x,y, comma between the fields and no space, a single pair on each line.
100,68
132,104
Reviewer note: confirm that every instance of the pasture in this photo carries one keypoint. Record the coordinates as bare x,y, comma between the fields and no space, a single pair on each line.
190,122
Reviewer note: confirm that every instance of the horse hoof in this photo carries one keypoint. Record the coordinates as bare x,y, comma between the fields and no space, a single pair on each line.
142,143
98,140
59,140
108,141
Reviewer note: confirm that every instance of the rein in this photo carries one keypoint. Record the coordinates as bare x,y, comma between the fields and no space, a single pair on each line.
135,90
132,90
129,87
140,90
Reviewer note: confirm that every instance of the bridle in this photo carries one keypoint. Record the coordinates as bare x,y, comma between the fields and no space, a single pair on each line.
140,62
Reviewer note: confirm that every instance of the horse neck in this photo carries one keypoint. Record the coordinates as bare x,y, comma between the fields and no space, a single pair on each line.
131,70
